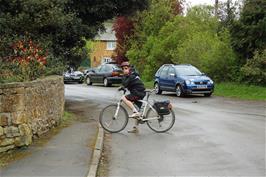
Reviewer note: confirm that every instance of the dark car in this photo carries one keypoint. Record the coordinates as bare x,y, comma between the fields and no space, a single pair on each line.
182,79
108,74
73,76
88,70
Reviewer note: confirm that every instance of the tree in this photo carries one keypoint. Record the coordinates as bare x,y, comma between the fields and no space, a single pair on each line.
193,39
228,13
123,27
216,7
254,71
211,53
60,25
249,32
147,25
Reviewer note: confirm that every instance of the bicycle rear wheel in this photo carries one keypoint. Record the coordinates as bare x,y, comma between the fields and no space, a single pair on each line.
111,123
160,124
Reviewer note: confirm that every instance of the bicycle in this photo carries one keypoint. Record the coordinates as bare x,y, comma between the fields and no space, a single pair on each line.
114,117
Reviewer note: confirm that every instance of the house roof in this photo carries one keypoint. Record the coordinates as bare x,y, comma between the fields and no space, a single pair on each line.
107,35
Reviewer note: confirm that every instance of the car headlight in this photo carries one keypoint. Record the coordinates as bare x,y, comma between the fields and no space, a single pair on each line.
210,82
188,82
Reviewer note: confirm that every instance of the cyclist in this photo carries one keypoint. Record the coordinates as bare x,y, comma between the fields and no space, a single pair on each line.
132,82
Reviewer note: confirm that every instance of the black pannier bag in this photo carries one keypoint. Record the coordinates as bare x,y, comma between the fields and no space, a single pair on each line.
162,107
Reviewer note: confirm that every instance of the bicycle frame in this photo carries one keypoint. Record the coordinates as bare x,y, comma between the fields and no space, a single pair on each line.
147,105
119,116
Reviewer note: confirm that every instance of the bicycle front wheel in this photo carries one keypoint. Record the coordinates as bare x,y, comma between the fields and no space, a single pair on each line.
112,123
160,123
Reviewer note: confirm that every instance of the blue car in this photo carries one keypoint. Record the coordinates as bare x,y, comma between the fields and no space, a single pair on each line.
183,80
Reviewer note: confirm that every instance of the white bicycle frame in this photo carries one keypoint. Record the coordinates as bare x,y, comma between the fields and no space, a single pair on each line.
145,109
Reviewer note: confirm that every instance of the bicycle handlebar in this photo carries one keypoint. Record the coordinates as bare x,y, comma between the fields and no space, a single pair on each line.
147,91
122,89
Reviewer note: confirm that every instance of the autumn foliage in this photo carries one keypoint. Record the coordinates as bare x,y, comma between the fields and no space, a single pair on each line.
26,61
123,27
26,52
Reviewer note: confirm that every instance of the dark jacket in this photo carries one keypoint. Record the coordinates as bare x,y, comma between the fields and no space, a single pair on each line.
133,83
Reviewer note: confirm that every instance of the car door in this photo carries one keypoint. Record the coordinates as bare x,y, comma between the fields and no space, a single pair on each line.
106,72
93,75
163,78
101,74
179,73
171,78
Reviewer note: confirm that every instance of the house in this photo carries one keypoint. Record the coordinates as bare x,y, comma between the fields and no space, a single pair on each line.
103,46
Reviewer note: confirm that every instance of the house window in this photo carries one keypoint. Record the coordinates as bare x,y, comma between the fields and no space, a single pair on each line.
111,45
106,60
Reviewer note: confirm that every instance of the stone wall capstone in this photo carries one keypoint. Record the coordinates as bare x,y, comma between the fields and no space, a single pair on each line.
29,109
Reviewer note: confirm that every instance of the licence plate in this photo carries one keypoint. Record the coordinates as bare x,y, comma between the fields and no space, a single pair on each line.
201,86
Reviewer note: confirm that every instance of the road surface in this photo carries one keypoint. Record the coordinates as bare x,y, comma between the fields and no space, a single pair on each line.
211,137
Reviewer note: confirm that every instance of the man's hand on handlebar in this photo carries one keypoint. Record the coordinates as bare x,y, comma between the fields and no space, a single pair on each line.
121,88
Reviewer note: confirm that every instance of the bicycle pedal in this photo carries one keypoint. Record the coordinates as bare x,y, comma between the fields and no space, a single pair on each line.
141,121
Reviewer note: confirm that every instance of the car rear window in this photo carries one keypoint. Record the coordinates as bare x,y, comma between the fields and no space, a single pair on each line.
116,67
187,71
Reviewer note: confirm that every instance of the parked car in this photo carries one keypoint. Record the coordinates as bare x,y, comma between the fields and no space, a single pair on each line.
182,79
88,70
73,76
108,74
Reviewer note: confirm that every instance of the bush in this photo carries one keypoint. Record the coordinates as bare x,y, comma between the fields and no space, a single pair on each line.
254,71
54,66
147,26
8,72
192,39
27,61
211,53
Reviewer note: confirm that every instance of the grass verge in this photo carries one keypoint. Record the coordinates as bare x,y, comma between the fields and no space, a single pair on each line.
240,91
233,90
149,84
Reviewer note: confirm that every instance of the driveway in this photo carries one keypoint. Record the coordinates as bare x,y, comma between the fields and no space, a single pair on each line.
211,137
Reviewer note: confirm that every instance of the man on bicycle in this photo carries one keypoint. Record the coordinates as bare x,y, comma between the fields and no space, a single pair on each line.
132,82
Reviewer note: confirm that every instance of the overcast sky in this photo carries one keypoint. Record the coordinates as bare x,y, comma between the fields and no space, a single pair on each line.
189,3
209,2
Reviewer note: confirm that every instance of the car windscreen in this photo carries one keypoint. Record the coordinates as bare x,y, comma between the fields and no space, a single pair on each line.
187,71
116,67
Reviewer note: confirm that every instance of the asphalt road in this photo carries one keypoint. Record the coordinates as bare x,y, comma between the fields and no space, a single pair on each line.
211,137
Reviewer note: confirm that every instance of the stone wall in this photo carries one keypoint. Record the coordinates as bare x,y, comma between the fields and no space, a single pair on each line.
29,109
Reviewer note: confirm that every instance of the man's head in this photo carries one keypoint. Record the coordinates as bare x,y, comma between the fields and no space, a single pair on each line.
125,67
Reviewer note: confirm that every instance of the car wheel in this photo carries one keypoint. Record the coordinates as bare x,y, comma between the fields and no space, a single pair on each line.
80,81
105,82
88,81
179,92
157,88
207,94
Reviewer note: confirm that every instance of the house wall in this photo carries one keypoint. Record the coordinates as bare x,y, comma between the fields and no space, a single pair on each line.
100,51
29,109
